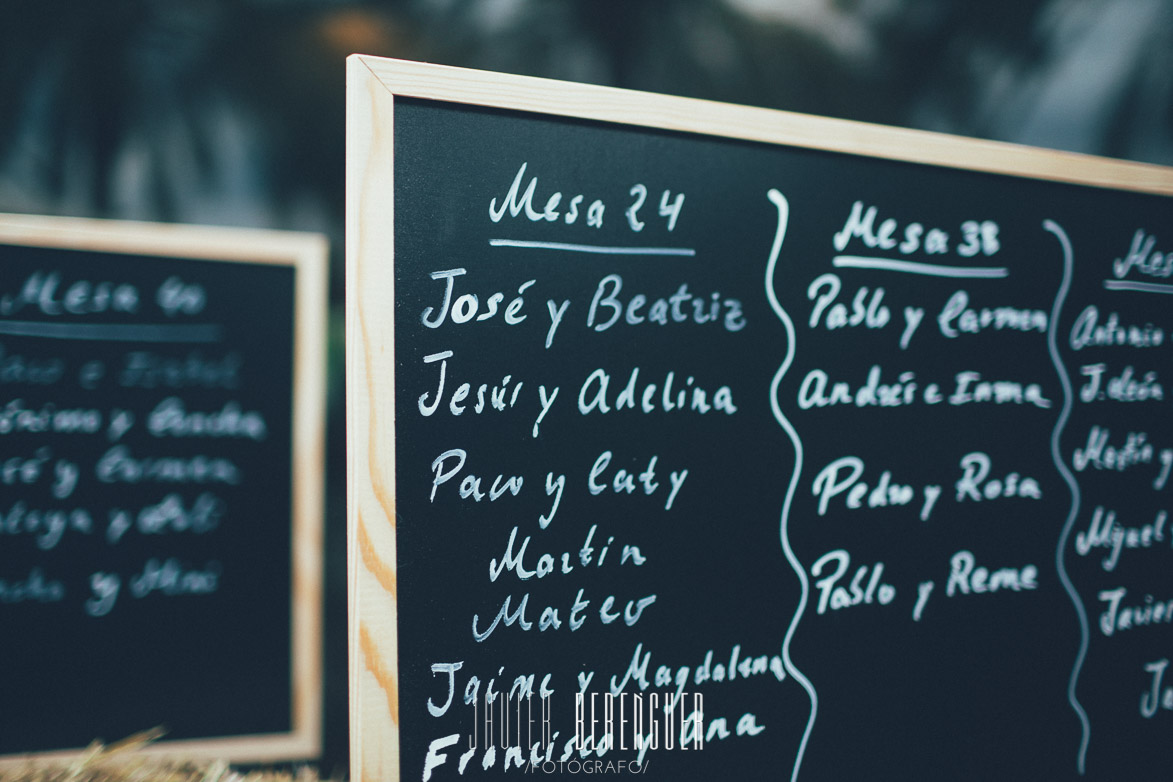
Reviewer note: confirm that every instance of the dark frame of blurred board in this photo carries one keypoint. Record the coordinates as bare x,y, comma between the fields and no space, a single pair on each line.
163,401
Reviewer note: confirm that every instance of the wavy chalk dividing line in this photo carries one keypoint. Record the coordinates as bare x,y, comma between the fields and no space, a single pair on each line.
114,332
1069,479
916,267
783,205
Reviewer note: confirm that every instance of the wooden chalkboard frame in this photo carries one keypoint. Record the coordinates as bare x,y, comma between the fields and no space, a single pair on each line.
307,253
373,84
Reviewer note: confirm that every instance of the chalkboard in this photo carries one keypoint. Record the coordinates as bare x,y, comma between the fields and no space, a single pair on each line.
161,422
849,446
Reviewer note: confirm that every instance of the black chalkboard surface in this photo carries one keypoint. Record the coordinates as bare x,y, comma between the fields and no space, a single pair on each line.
149,521
859,463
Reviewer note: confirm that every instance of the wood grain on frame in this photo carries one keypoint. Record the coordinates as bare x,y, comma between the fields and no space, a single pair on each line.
586,101
370,429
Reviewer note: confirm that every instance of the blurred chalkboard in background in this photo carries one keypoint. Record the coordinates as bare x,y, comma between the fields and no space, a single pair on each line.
161,437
